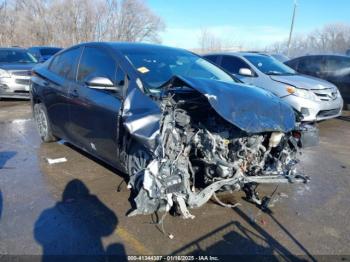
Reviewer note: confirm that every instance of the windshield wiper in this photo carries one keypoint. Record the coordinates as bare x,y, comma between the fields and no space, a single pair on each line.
25,62
273,73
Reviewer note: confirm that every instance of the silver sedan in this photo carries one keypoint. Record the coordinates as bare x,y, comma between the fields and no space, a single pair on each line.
15,72
314,98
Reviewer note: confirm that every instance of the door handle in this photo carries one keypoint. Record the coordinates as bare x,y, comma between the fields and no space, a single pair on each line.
74,93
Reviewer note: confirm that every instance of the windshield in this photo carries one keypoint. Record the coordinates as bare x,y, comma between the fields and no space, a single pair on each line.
281,58
157,66
269,65
16,56
49,51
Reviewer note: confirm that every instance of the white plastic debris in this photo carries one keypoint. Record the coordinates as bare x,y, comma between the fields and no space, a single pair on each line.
56,160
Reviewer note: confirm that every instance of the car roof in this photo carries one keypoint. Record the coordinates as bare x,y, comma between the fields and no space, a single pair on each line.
39,47
239,54
323,55
125,46
13,48
129,46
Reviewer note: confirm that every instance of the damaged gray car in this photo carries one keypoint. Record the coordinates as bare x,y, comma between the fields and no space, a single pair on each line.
180,127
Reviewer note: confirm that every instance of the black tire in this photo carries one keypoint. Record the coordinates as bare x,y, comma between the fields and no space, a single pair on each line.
43,123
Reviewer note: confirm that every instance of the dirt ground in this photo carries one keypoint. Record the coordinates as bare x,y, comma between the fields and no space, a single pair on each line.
75,207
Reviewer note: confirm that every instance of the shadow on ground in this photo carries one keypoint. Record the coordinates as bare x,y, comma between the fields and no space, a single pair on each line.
344,118
234,240
73,228
5,156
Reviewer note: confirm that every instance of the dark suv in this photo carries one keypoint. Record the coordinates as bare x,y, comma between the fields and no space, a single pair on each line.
333,68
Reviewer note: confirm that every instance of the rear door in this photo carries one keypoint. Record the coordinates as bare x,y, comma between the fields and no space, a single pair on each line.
60,75
94,113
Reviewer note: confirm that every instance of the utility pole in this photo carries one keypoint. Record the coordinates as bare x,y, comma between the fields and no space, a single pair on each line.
292,26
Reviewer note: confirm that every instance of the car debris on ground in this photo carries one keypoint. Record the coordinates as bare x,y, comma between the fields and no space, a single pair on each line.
52,161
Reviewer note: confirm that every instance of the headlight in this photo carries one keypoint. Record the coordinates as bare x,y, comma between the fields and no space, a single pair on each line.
303,93
4,73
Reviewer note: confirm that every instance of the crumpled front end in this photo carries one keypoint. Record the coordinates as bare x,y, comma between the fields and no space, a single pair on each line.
199,152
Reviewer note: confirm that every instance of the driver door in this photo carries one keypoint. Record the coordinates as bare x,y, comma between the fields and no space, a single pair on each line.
94,113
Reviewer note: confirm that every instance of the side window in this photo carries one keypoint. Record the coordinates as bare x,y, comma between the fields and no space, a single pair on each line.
233,64
96,62
212,58
313,65
64,64
337,65
302,65
293,64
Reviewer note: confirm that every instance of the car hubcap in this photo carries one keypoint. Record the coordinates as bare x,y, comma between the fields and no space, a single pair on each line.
41,122
138,161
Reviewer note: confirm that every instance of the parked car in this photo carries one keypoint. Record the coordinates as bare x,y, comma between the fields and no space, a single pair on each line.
15,72
43,53
333,68
170,119
314,98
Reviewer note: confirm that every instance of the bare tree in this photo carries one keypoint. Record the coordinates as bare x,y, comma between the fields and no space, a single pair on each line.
67,22
332,38
209,42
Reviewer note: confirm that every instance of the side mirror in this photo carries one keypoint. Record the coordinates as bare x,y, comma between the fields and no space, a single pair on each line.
245,72
102,83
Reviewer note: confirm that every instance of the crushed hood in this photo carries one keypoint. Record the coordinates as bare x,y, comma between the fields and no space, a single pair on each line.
249,108
303,81
252,109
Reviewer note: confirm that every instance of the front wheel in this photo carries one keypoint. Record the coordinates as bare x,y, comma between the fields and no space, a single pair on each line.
43,123
138,159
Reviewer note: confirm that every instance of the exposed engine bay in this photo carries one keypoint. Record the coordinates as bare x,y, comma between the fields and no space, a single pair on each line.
199,153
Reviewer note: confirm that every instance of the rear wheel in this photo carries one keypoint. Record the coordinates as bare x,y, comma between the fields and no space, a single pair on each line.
43,123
